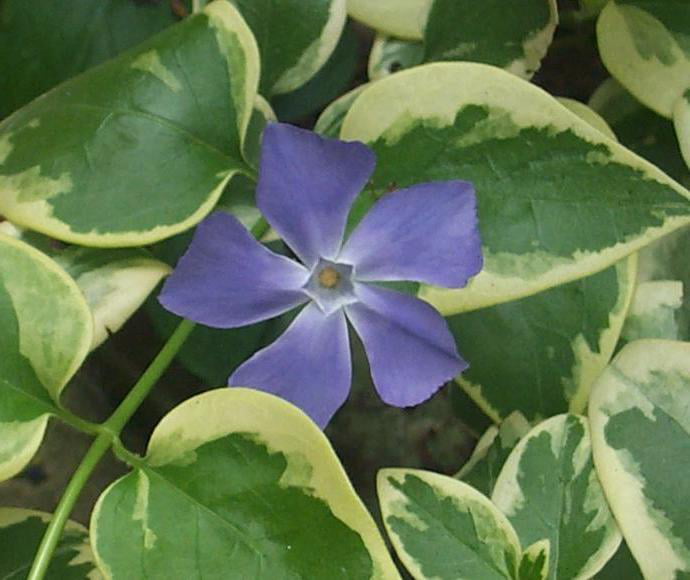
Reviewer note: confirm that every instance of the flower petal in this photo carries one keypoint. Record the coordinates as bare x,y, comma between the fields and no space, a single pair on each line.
410,349
427,233
227,279
306,186
309,365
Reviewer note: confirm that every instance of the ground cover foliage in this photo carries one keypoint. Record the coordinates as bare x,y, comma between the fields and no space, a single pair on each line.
125,124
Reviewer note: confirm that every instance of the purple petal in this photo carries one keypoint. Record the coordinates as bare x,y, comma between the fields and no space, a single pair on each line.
410,349
227,279
307,185
427,233
309,365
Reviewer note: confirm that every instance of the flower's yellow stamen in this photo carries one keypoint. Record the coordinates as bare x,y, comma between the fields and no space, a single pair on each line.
329,277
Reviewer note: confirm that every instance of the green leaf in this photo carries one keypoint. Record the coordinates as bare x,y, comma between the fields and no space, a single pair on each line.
587,114
681,121
491,452
21,532
512,35
114,283
443,528
653,311
389,55
534,563
640,129
531,161
401,18
540,355
237,480
331,119
332,80
645,45
295,38
141,147
641,442
43,43
46,331
549,490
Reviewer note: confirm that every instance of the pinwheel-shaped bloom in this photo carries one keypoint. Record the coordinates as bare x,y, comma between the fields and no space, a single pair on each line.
307,184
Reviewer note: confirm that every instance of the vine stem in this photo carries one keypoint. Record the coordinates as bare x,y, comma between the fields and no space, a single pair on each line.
108,433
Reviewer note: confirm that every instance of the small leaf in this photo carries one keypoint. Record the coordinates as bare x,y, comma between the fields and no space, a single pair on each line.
587,114
540,355
46,331
471,121
295,38
237,480
534,564
491,452
140,147
401,18
389,55
331,119
641,443
549,490
21,532
514,36
443,528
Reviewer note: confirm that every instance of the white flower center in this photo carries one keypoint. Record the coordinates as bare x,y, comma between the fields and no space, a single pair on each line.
330,285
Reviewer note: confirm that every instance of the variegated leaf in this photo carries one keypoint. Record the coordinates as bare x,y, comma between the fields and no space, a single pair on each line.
237,480
534,563
389,55
401,18
540,355
549,489
141,147
46,331
295,38
587,114
21,532
640,417
471,121
331,119
491,452
444,529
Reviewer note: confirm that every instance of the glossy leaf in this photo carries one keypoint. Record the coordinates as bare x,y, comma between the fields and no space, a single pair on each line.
443,528
549,490
21,532
470,121
641,443
401,18
238,480
295,38
138,148
512,35
540,355
491,452
46,331
43,43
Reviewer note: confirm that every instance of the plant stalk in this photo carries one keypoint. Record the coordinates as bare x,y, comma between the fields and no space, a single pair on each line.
108,432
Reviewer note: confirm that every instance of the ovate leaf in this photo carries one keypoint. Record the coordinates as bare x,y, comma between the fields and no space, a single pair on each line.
237,482
549,490
138,148
443,528
21,532
532,163
401,18
639,412
540,355
510,35
46,331
295,38
491,452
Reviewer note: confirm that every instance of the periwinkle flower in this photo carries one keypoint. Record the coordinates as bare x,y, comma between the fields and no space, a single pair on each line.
307,184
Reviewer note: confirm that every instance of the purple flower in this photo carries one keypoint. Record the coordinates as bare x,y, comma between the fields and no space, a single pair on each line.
425,233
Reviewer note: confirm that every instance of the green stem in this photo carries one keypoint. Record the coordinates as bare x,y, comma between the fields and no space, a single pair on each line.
109,432
260,228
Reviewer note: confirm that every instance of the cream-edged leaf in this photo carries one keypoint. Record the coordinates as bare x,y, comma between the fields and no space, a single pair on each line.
639,413
401,18
239,480
472,121
549,490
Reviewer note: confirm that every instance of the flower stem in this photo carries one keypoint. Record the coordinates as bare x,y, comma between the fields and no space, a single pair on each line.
108,433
